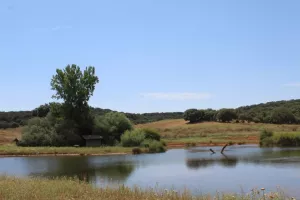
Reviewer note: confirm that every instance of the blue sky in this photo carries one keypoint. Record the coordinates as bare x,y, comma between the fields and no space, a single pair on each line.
152,55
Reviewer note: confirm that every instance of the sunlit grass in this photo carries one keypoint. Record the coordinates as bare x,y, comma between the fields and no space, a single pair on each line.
178,131
15,150
72,189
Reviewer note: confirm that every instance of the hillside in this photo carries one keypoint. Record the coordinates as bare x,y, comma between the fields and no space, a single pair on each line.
261,112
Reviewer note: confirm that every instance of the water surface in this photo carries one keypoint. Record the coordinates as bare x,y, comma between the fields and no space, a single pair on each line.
240,168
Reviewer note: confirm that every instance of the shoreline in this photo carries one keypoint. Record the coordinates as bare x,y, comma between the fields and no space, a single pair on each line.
169,147
60,154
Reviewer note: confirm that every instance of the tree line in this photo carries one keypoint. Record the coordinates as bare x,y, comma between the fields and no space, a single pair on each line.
20,118
274,112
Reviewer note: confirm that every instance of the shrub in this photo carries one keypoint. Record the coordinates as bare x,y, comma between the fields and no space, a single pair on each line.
265,133
14,125
111,126
136,150
287,139
5,125
39,132
156,147
151,134
133,138
266,138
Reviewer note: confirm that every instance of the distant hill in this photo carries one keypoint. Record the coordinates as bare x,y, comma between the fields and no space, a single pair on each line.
261,112
258,112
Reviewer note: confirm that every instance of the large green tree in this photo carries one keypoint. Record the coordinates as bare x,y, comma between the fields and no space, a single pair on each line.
75,87
226,115
193,115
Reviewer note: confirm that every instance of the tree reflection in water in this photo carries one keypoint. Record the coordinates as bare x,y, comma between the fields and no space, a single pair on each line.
81,168
204,163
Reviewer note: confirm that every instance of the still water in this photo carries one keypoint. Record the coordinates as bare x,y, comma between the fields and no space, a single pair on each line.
239,169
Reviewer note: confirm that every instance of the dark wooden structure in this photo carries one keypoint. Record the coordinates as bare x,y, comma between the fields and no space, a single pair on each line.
92,140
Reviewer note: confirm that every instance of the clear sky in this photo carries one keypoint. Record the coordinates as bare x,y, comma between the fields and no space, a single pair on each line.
152,55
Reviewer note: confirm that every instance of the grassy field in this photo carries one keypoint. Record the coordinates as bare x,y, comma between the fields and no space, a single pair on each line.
70,189
178,132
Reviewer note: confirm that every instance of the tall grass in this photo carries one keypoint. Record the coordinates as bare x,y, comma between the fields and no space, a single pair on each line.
71,189
283,139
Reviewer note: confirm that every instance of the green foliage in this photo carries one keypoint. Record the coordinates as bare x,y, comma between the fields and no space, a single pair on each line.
75,87
156,147
193,115
226,115
111,126
265,134
41,111
151,134
209,115
262,112
133,138
39,132
282,116
10,119
5,125
280,139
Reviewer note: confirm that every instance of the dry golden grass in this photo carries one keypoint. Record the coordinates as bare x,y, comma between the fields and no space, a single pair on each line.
71,189
178,131
8,135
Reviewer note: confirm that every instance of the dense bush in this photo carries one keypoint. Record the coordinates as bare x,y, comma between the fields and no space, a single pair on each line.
111,126
193,115
156,147
209,115
5,125
151,134
39,132
41,111
266,138
133,138
226,115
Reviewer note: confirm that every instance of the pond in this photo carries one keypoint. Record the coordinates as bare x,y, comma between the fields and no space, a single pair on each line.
239,169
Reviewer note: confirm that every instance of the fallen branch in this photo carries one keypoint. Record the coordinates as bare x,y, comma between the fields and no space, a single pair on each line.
212,151
224,148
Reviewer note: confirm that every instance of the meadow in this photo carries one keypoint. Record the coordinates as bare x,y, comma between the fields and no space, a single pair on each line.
12,188
179,132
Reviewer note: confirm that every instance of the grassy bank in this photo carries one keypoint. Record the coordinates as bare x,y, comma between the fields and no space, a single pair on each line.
10,150
67,189
282,139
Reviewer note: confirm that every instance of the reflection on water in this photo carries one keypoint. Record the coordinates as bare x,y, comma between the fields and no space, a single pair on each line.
196,169
83,168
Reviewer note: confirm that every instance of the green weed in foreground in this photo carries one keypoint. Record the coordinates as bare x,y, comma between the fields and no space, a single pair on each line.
283,139
66,189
